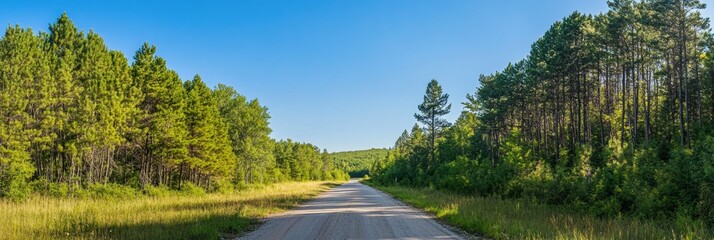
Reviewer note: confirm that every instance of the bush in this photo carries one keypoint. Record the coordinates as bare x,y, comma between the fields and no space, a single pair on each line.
39,186
46,188
339,175
706,204
190,189
454,175
157,191
14,173
111,191
222,186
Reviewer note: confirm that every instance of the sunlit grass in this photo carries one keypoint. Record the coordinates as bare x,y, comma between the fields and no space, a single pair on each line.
518,219
176,217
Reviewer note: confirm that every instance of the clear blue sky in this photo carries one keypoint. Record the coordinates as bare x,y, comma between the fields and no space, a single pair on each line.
342,74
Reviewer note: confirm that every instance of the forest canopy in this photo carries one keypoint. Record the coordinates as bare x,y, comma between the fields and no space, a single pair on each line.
610,113
74,114
357,163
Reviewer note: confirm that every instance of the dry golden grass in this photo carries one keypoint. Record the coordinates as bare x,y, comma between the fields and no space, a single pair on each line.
176,217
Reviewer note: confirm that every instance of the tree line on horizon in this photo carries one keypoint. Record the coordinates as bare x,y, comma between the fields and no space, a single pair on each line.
74,113
357,163
610,113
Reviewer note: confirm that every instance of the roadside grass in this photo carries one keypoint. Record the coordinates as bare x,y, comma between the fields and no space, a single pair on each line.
519,219
210,216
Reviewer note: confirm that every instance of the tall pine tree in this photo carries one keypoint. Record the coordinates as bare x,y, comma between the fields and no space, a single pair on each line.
435,106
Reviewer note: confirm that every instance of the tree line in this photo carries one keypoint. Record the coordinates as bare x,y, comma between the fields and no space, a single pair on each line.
610,113
74,112
357,163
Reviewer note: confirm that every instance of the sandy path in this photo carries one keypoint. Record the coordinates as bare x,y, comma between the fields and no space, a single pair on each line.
352,211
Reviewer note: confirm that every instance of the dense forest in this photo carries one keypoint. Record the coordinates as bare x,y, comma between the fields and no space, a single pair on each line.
74,114
610,114
357,163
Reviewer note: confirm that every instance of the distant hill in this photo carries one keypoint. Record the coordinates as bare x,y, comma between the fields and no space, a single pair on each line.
357,163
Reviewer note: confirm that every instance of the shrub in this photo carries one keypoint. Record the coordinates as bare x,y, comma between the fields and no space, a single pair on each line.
190,189
44,187
15,170
157,191
222,186
454,175
111,191
706,204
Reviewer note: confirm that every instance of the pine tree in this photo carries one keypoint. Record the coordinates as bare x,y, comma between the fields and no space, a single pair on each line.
163,132
101,110
248,129
209,153
20,60
64,41
257,142
127,118
74,112
431,110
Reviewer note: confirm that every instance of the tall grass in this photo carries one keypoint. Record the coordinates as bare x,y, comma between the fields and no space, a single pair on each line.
519,219
211,216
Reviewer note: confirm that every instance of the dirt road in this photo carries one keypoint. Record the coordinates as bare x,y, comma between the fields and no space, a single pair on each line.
352,211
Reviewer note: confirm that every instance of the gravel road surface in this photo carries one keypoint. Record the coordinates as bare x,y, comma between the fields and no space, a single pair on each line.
352,211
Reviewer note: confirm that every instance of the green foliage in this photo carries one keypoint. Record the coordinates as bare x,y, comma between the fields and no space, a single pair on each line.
248,130
499,218
157,191
18,48
705,204
162,129
610,115
209,151
45,187
304,161
455,175
357,163
111,191
77,120
13,179
434,106
190,189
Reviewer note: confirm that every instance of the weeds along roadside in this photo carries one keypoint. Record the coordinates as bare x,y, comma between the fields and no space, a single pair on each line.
520,219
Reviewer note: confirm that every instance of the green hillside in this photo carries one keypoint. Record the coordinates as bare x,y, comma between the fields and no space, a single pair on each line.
357,163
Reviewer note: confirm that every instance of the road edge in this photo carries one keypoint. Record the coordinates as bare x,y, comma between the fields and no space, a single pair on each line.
257,222
442,222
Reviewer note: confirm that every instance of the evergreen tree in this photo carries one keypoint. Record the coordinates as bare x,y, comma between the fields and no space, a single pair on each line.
74,113
209,154
102,109
248,129
127,120
162,139
60,121
431,110
611,111
20,63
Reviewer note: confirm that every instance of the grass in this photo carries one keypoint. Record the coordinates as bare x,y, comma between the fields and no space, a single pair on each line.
211,216
519,219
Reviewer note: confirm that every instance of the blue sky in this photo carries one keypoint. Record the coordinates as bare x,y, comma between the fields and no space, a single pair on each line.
342,74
